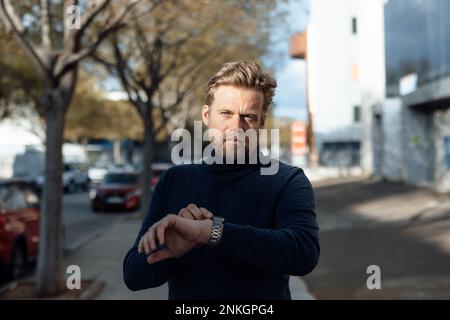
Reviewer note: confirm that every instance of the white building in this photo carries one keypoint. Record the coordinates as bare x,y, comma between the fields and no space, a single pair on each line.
22,151
346,76
15,138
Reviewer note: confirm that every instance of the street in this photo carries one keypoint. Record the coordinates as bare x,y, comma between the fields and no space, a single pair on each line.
402,229
81,224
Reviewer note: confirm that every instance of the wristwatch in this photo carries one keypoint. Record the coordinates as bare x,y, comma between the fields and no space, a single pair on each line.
216,231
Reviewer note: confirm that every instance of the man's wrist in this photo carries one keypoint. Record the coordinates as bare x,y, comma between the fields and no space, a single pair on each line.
207,229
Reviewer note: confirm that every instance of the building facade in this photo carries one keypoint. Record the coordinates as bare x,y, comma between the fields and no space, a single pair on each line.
345,77
411,130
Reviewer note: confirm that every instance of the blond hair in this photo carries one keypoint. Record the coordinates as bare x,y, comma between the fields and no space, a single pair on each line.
247,74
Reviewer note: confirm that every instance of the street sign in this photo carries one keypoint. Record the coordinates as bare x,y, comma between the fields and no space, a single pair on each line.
298,138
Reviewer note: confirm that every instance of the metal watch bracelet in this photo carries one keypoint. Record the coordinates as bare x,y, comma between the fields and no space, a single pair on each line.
216,231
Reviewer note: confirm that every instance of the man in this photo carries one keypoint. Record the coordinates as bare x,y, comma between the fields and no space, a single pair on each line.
226,231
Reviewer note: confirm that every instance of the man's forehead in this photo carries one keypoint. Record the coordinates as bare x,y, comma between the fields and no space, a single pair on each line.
230,95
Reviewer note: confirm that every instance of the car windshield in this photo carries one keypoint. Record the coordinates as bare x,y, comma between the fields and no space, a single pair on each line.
121,178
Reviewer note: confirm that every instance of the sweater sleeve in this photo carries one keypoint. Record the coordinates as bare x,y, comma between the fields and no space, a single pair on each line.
293,246
138,274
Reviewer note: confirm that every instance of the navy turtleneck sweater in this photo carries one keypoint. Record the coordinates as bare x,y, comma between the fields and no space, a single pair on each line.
270,232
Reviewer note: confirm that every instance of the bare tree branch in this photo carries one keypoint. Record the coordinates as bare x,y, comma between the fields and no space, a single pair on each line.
45,23
14,24
144,13
115,24
94,9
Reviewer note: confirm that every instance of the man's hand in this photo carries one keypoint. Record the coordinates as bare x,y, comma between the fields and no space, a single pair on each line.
177,233
194,212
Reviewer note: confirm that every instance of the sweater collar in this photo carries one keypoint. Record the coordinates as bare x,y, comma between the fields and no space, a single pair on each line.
224,167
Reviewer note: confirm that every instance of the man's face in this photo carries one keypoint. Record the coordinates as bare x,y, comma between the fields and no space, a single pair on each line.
234,109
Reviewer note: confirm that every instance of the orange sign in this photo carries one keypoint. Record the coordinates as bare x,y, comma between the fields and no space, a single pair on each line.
298,138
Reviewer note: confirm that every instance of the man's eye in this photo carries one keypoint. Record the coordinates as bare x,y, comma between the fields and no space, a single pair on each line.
225,113
250,118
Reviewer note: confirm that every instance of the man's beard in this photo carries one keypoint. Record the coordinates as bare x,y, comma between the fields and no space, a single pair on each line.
237,151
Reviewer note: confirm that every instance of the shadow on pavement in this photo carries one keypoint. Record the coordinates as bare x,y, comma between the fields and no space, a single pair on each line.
414,256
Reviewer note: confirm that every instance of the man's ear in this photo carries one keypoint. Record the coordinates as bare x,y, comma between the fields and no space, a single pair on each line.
205,114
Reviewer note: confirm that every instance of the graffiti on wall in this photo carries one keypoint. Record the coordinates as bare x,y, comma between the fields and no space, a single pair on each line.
447,151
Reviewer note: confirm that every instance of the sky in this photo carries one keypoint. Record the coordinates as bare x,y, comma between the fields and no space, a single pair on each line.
289,100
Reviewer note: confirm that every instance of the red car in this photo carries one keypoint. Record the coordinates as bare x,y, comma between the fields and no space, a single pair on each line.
19,227
118,190
158,168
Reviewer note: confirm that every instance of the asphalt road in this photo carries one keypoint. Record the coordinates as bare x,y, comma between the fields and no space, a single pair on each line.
81,223
403,230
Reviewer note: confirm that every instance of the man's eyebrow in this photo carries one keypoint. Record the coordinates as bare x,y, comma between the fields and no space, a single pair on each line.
248,114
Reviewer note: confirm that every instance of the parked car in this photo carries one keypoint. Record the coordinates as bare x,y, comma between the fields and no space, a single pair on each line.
97,173
118,190
75,177
19,227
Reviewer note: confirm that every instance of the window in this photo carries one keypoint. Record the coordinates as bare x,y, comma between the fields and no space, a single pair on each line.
357,114
354,25
12,198
417,41
32,199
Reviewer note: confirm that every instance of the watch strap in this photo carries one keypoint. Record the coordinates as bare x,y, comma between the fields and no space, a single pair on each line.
216,231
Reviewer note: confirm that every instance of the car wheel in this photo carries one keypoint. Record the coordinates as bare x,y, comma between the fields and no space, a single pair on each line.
18,262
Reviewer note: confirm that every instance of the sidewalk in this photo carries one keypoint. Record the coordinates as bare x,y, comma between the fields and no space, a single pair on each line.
402,229
102,260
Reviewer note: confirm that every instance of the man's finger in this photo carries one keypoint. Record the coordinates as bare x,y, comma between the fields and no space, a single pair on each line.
151,237
161,231
195,211
185,213
145,243
159,255
206,213
140,245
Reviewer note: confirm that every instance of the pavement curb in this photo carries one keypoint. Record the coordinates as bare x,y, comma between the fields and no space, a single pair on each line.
92,291
299,289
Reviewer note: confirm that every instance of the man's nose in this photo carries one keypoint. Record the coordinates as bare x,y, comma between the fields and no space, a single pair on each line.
236,123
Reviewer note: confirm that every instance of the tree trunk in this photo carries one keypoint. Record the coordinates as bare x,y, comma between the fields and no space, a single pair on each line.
50,268
148,156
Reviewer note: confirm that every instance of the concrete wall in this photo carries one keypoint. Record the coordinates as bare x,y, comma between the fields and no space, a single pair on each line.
418,148
427,123
409,143
372,77
441,124
392,168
